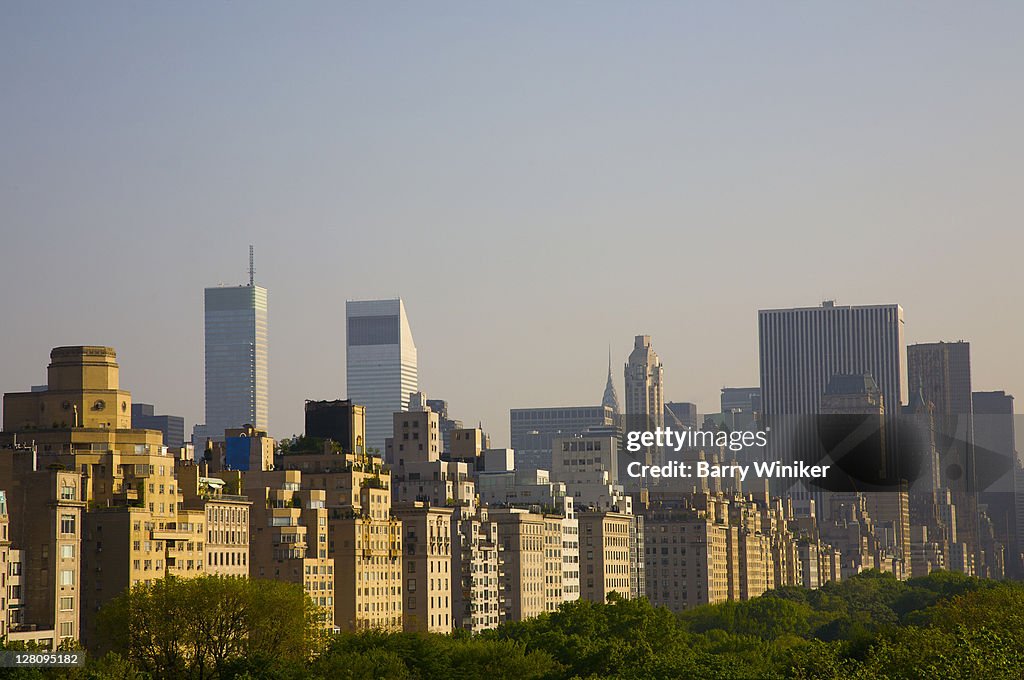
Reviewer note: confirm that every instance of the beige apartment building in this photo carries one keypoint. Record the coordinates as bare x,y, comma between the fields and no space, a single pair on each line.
288,535
687,559
753,551
605,555
478,596
226,514
45,525
522,537
114,485
17,629
365,538
415,449
554,535
427,562
712,547
82,392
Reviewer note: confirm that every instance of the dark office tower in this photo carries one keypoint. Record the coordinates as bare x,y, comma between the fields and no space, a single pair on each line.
447,425
338,420
942,370
993,421
173,427
998,473
801,349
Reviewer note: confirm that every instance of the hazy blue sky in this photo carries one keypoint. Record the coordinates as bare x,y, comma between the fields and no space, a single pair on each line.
537,180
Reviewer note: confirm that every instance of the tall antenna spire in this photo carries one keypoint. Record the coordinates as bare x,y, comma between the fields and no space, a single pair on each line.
252,268
611,397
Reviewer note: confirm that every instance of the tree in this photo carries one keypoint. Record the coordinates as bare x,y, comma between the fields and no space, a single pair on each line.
211,626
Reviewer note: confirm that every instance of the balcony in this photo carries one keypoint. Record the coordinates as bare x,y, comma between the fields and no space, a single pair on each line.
172,533
235,498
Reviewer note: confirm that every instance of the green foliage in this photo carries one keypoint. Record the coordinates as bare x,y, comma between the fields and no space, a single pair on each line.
300,444
870,626
419,655
211,627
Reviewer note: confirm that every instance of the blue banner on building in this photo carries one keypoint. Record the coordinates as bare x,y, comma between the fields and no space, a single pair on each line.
237,453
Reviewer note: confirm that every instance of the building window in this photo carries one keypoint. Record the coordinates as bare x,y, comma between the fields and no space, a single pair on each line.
67,551
67,524
67,604
67,577
67,629
67,493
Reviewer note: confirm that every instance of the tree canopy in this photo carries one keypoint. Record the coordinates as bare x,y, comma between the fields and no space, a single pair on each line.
870,626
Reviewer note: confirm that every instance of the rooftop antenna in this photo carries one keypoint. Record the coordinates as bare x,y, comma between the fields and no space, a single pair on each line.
252,269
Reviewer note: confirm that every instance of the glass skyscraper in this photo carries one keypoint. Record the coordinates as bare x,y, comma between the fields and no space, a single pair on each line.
381,368
236,359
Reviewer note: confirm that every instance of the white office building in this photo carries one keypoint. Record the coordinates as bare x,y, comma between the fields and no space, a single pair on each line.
380,363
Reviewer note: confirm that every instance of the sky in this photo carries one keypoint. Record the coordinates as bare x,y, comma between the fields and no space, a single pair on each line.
537,181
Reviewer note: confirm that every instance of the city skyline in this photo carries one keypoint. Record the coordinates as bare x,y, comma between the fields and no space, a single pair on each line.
762,163
499,429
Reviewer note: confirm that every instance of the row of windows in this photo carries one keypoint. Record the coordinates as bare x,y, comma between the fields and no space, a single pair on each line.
221,559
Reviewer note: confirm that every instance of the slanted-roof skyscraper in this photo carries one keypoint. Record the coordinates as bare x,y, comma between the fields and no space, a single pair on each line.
236,357
380,363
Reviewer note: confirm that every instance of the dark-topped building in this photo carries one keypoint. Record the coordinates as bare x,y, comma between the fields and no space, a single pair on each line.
339,420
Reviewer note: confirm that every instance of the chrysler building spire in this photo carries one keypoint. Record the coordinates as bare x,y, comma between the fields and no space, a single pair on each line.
611,398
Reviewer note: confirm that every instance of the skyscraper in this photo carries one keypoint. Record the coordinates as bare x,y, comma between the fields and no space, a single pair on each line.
380,363
802,349
942,371
236,358
645,393
998,472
